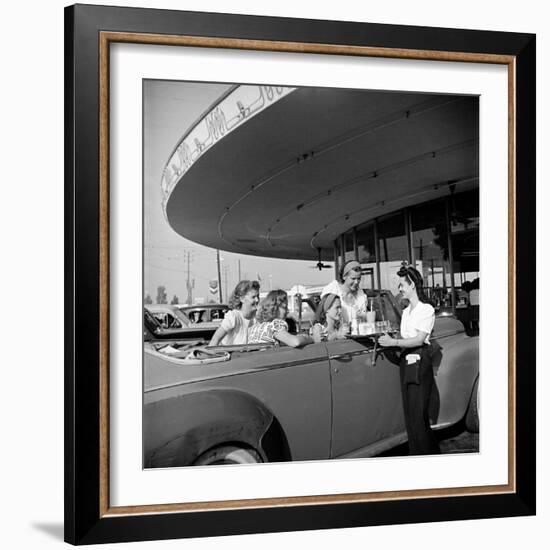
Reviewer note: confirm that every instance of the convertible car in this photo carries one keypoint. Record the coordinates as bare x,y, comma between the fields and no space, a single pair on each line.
263,403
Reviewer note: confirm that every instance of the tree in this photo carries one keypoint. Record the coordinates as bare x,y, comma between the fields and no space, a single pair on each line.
148,299
161,295
175,300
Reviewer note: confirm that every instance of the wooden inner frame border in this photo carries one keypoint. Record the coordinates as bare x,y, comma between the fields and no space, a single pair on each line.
105,40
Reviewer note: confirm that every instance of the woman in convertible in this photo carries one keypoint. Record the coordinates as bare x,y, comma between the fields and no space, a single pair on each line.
328,317
415,367
271,326
243,303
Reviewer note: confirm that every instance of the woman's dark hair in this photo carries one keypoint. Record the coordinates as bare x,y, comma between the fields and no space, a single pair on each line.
413,276
241,290
324,305
347,267
269,306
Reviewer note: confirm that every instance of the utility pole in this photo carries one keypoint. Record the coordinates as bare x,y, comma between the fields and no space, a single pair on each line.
219,276
189,284
225,272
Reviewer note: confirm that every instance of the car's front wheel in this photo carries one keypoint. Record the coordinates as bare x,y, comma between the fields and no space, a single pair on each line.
228,454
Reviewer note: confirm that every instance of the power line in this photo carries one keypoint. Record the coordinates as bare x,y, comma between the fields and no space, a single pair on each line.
166,268
183,250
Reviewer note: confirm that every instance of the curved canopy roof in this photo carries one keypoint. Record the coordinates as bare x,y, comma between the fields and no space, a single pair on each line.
282,172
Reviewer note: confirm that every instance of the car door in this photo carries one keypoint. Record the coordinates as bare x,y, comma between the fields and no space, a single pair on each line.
293,384
366,395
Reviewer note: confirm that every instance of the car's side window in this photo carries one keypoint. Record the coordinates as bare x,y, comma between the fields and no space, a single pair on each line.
217,314
173,322
196,316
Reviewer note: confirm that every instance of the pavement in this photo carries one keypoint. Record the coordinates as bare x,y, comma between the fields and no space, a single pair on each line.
455,439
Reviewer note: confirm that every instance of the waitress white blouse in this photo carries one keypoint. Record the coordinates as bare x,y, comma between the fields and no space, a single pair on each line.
421,318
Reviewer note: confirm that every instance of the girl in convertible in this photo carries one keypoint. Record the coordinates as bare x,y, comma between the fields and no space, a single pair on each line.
243,303
271,326
329,318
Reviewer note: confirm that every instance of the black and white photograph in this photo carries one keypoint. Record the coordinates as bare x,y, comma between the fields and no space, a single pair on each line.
311,273
298,274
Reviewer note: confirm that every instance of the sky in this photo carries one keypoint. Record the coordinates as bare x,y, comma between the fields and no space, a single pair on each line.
170,109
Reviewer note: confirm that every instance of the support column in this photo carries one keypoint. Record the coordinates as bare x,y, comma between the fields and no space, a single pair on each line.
450,248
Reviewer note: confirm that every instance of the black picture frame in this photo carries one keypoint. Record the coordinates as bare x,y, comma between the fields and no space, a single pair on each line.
87,519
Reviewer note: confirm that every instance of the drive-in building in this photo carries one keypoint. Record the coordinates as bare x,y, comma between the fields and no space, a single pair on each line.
334,174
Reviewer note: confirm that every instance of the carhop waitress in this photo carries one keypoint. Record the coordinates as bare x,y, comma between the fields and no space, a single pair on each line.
415,366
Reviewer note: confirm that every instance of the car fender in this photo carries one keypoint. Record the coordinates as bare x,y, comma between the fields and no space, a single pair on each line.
455,378
179,429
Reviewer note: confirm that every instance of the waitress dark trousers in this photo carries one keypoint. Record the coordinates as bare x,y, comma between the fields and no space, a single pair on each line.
417,382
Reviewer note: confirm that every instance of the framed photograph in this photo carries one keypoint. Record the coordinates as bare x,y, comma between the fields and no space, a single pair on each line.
299,279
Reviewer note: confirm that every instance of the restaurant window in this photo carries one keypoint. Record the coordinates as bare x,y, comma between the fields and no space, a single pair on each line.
392,242
464,222
431,250
366,254
338,254
349,247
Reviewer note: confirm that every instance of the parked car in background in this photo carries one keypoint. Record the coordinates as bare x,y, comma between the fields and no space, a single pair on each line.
205,313
167,322
272,403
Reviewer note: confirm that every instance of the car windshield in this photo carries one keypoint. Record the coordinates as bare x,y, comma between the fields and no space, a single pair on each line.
385,305
181,317
151,324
